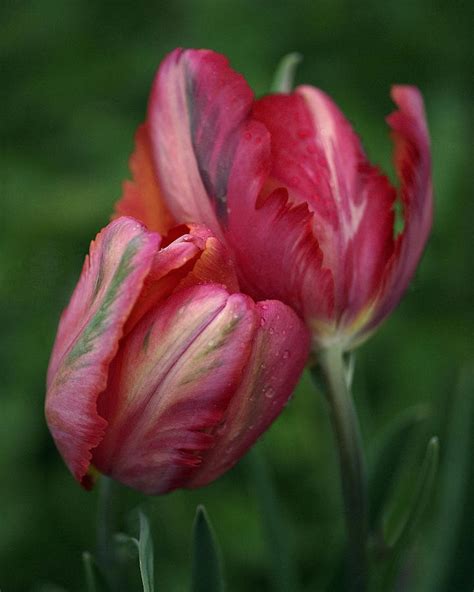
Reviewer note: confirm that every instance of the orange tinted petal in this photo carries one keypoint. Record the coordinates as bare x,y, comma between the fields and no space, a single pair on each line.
142,197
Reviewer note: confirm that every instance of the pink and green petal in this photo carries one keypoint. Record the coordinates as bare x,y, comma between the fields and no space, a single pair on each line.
142,197
89,332
172,382
279,353
197,108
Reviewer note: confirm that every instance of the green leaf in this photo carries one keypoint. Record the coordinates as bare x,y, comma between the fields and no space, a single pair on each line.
144,545
390,447
453,485
275,528
89,571
400,537
285,73
145,554
207,573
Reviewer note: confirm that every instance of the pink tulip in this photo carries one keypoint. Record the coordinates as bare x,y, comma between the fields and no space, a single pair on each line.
163,374
285,184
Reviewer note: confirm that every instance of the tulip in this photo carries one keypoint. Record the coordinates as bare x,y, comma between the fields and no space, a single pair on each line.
285,184
163,373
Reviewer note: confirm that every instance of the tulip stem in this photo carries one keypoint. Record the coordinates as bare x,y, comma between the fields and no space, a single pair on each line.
351,460
105,532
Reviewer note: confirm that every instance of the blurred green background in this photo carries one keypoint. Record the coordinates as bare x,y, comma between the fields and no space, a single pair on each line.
74,86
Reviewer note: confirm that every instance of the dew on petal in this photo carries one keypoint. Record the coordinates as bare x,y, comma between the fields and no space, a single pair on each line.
269,392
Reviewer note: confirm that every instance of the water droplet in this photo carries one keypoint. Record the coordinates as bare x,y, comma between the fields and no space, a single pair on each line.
248,136
264,307
262,366
269,392
263,322
286,354
271,330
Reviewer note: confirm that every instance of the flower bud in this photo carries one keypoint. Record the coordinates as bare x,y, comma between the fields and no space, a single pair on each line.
163,374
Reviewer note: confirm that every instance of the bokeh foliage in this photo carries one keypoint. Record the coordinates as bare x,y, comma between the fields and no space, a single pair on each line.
74,85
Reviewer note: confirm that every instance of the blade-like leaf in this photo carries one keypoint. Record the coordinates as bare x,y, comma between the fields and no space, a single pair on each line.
144,545
390,448
89,571
275,529
285,73
400,537
207,573
453,485
145,554
421,497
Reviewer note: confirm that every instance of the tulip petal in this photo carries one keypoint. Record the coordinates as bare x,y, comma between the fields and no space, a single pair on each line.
215,265
142,197
278,238
197,107
279,353
195,257
413,165
317,156
88,335
171,384
169,267
267,234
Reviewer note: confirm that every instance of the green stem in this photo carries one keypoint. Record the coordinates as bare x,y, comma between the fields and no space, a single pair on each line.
105,532
352,463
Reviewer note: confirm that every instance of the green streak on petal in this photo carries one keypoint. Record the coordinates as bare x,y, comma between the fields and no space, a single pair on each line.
146,339
98,322
220,341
